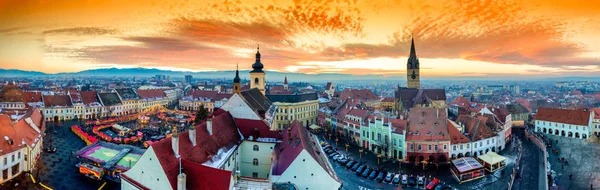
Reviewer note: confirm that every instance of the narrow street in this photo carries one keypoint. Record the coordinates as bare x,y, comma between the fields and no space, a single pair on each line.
496,180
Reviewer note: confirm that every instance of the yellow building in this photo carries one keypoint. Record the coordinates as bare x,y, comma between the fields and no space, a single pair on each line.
290,107
388,103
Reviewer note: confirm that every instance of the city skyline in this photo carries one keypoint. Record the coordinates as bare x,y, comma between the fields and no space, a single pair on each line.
483,39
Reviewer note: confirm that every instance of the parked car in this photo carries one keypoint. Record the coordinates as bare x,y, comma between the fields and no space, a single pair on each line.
342,160
355,167
360,170
412,181
420,181
373,174
404,179
333,154
442,186
389,177
366,172
336,157
329,151
350,164
396,179
435,182
380,176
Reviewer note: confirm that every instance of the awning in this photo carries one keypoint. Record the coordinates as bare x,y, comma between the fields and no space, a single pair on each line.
314,127
491,158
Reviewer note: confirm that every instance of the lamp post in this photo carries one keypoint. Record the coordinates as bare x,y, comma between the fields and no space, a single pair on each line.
336,141
329,136
347,147
399,162
378,158
360,151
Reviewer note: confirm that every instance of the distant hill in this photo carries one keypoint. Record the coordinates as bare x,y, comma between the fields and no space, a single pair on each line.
145,72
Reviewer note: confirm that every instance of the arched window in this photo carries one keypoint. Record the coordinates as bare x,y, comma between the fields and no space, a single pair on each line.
255,80
255,148
235,87
255,162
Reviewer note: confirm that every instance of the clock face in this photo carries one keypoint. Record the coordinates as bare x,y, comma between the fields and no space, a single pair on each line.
413,76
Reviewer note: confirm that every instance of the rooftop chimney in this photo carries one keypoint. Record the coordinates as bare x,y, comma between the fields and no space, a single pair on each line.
175,142
192,135
209,126
437,113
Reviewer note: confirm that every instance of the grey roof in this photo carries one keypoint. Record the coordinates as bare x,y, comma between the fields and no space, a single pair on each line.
256,100
109,99
127,94
293,98
411,96
516,108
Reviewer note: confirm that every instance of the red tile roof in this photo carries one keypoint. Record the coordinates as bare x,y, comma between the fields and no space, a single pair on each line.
363,94
7,129
57,101
256,129
388,99
75,96
151,94
26,133
89,97
358,113
460,101
475,127
296,139
204,177
456,137
11,93
32,96
574,117
400,125
225,135
596,113
427,124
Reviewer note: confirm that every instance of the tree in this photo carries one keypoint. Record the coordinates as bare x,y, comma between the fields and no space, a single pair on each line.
201,114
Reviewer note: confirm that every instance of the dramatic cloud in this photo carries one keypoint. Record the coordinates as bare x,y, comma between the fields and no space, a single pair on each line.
313,36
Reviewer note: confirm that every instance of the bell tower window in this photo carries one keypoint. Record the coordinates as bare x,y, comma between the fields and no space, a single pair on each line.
255,80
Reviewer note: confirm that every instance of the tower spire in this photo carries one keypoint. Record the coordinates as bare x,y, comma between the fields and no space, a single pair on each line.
413,53
237,74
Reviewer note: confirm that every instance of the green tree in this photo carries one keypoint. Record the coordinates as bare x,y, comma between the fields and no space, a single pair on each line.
201,114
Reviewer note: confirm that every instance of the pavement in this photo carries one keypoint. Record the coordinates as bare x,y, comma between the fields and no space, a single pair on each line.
58,170
350,181
582,157
531,172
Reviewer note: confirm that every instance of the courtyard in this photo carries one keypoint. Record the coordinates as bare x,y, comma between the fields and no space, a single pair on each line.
581,162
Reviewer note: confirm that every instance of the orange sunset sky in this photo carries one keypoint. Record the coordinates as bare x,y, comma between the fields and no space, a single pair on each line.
453,38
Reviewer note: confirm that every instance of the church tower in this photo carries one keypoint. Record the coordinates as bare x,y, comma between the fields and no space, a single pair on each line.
236,81
285,83
257,75
413,78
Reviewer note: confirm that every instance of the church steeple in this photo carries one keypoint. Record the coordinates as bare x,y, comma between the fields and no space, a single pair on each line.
257,66
412,67
285,83
257,75
237,75
236,81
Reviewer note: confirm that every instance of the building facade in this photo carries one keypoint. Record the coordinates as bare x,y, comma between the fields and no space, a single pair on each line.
564,122
291,107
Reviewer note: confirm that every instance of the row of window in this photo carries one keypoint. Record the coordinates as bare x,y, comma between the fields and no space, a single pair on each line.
13,158
13,105
412,147
298,109
475,144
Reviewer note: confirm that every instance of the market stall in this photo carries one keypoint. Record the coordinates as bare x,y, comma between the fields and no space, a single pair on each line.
467,169
492,161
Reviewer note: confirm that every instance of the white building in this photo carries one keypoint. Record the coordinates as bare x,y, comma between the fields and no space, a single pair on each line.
21,143
596,122
300,160
57,107
564,122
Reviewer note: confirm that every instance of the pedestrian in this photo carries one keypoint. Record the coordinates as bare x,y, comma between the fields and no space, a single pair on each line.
563,166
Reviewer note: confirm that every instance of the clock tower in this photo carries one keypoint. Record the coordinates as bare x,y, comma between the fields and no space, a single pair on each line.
257,75
413,77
